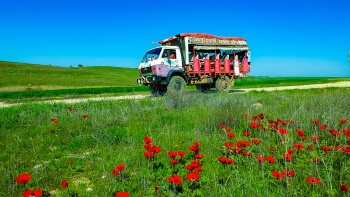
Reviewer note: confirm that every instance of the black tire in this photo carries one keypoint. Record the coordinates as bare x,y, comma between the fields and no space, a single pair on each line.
177,85
223,84
203,88
157,90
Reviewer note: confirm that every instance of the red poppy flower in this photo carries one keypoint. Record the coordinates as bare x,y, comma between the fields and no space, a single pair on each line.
196,144
175,179
225,160
174,161
282,131
290,151
228,129
222,126
147,140
343,121
270,159
338,148
70,162
314,138
287,157
298,146
172,154
148,154
85,116
246,115
231,135
70,108
228,144
156,187
181,153
115,172
246,133
334,132
278,175
289,173
248,154
194,149
120,167
315,121
344,187
313,180
323,127
261,158
300,132
193,176
272,148
193,165
326,149
122,194
156,149
242,144
255,141
64,184
23,178
199,156
32,193
315,160
310,147
55,120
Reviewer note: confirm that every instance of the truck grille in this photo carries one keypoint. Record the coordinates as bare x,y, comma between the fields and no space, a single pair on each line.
146,70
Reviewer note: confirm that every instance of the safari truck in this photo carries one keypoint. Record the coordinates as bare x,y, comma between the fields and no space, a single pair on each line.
203,60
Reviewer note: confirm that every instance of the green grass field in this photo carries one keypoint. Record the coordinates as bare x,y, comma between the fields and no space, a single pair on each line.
21,82
54,144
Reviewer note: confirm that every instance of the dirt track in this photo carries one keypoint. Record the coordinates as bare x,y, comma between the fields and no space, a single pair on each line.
337,84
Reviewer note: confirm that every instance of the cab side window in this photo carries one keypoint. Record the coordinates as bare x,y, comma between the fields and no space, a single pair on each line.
169,53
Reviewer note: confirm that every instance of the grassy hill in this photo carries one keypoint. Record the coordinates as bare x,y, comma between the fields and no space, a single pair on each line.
21,76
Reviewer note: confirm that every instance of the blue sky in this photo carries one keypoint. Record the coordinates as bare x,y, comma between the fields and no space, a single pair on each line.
286,37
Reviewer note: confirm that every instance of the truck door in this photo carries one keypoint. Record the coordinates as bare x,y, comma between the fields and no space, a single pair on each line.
171,58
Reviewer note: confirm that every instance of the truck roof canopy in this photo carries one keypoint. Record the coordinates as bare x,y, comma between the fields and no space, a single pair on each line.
208,39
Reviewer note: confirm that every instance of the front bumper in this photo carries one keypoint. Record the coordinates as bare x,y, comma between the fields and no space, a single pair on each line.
145,80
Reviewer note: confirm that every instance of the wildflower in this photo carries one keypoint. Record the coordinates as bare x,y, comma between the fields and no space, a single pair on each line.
156,149
290,151
32,193
315,121
55,120
315,160
194,149
85,116
278,175
272,148
70,108
261,158
228,129
23,178
172,154
300,132
64,184
313,180
310,147
193,176
181,153
199,156
314,138
120,167
122,194
231,135
282,131
156,187
326,149
343,121
270,159
344,187
196,144
225,160
246,133
298,146
193,165
148,154
175,179
222,126
70,162
174,161
147,140
334,132
289,173
242,144
228,144
323,127
246,115
115,172
287,157
255,141
245,153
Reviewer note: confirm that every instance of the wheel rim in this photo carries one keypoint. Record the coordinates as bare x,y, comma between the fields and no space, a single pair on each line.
224,84
177,86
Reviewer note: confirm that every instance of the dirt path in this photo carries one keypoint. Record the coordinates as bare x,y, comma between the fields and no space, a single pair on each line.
327,85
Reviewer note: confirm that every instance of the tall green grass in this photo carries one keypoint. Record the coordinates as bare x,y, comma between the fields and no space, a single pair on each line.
114,130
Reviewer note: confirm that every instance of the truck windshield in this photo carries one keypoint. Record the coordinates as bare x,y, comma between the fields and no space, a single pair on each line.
151,54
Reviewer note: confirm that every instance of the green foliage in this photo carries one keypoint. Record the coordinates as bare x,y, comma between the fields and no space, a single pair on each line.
114,130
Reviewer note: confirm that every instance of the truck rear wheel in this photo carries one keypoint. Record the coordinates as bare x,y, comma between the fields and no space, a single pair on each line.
203,88
223,84
157,90
176,85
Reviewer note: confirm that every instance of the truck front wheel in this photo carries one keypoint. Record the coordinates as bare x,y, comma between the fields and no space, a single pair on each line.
223,84
176,85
